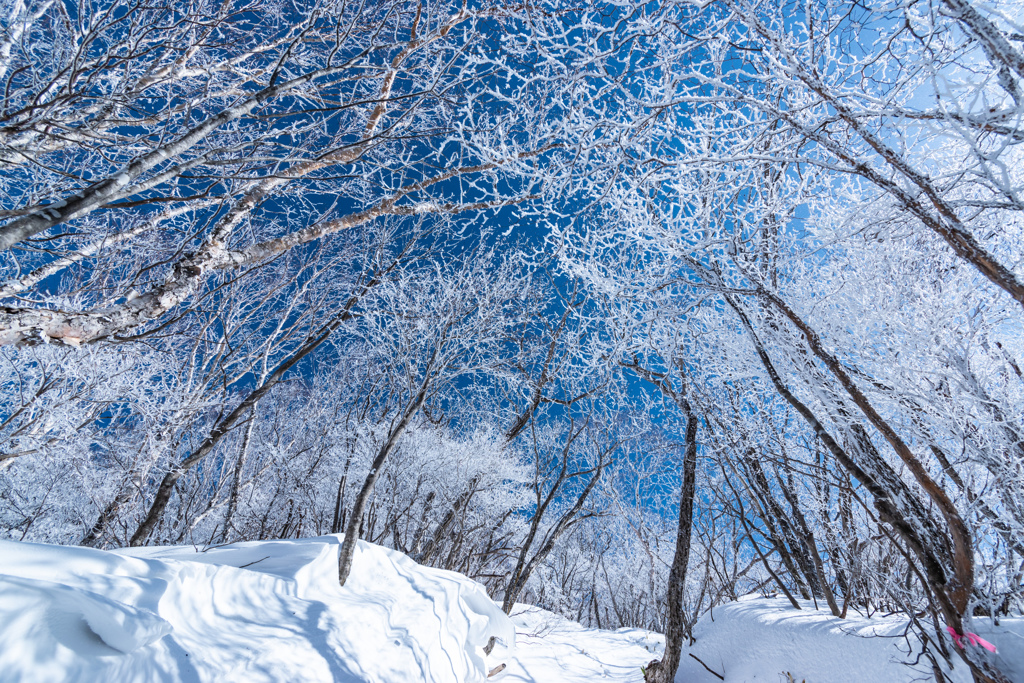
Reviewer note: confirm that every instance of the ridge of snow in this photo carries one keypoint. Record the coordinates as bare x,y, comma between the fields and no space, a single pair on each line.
263,611
273,612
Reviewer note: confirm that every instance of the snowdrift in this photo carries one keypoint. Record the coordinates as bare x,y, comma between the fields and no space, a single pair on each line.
273,612
759,639
749,641
254,612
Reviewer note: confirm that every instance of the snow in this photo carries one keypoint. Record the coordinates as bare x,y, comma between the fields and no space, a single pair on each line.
273,611
552,649
758,639
754,639
270,611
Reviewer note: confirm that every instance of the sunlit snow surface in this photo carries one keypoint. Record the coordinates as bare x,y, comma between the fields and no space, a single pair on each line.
550,649
754,639
254,612
273,611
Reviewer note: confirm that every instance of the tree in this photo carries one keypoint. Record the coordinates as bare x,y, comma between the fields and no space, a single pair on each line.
432,328
762,212
252,134
664,670
582,449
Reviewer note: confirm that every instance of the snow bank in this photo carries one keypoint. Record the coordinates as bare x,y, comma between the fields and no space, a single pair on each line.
273,612
747,641
759,639
269,611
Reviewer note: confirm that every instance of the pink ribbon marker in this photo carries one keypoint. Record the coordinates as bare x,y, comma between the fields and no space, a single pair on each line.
972,638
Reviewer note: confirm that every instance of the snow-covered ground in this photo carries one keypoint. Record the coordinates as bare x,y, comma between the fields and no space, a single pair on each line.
757,639
550,649
754,639
273,612
253,612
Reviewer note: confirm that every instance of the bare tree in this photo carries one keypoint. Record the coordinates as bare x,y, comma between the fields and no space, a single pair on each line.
262,133
434,327
583,451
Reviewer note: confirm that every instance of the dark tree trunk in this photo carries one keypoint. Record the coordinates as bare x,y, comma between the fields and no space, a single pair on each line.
95,536
352,530
339,503
170,480
447,522
664,670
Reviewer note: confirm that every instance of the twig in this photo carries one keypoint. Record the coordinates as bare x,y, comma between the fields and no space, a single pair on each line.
254,562
710,670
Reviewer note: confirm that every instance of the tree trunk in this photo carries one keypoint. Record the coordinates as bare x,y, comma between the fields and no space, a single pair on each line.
664,670
524,568
811,547
348,544
236,482
99,529
339,502
447,522
163,494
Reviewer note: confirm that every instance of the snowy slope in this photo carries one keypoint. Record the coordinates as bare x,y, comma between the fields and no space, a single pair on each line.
273,612
752,640
251,612
758,639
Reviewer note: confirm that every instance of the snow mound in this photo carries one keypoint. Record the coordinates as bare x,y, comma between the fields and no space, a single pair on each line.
759,639
122,627
752,640
254,612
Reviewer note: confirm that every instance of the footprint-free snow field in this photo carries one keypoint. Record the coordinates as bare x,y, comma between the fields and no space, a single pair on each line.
255,612
269,612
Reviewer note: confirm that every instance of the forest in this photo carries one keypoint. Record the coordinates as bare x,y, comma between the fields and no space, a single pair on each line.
623,309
